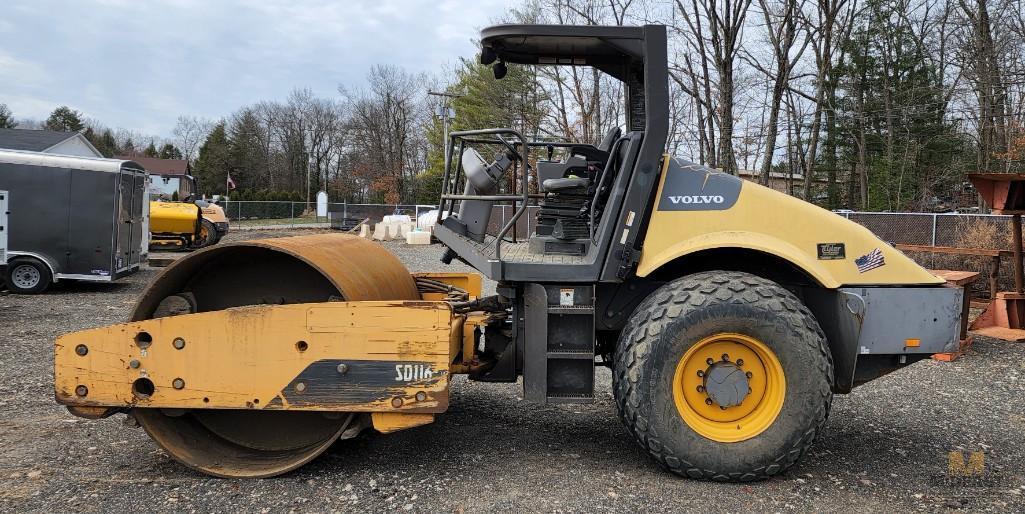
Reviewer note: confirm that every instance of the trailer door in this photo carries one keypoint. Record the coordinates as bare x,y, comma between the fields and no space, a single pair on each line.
3,228
137,216
123,244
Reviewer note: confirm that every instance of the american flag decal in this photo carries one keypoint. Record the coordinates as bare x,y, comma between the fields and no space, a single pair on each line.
870,261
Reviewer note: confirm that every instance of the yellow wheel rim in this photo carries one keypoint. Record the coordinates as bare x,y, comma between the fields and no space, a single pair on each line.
737,361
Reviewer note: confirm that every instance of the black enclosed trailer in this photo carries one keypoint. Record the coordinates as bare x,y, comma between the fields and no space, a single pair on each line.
69,218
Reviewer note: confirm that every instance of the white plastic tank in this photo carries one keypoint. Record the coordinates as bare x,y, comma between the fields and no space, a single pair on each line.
322,204
426,220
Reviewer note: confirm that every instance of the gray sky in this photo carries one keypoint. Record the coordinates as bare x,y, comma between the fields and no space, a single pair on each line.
138,64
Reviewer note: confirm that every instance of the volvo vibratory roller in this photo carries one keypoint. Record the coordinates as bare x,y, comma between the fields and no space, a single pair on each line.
729,313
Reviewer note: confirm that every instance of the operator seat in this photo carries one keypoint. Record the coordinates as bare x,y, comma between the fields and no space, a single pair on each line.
553,175
563,217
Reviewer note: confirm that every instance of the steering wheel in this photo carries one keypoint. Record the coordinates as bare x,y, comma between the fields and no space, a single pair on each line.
512,148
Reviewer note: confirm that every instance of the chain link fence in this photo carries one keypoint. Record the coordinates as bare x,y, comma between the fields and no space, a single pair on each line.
271,214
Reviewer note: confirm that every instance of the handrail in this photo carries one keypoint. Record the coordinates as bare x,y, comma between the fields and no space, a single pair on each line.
522,199
604,173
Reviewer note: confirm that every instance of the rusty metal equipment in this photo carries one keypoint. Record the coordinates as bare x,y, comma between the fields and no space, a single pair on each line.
1004,317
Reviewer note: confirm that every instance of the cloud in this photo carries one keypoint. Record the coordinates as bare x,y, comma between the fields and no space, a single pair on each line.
138,65
17,71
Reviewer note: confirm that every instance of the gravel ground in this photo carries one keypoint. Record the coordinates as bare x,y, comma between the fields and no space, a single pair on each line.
885,447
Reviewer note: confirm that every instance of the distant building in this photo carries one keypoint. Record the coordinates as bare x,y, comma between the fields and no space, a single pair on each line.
48,141
782,182
163,167
166,176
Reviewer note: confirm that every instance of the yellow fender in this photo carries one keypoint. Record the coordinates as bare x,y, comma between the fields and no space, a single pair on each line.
702,209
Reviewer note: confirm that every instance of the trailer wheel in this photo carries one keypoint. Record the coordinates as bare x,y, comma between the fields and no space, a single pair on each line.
27,276
207,234
723,376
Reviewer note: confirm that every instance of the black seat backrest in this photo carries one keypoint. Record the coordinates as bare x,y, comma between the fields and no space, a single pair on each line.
600,153
608,181
606,143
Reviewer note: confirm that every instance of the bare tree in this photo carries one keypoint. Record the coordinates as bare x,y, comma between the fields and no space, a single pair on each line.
783,27
383,123
983,61
584,103
694,77
189,133
725,28
831,24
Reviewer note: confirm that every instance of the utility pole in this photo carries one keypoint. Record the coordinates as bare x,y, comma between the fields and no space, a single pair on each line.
446,113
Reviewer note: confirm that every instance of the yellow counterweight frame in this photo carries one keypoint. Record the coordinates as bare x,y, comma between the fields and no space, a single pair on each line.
378,356
390,358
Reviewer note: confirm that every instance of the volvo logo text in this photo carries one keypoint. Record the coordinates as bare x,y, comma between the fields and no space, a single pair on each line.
696,199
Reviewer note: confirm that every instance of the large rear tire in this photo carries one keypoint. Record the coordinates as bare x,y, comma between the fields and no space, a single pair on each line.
723,376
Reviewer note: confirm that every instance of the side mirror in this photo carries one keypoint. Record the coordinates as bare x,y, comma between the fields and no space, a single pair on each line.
500,70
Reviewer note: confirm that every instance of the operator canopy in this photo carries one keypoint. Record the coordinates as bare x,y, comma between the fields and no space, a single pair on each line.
634,55
614,50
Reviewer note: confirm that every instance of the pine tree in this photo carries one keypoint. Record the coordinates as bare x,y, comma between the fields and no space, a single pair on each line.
6,117
151,150
892,114
64,119
246,151
169,151
104,142
128,148
515,101
212,166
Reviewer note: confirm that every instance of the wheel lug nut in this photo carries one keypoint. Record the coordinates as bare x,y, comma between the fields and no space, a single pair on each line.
708,401
701,373
749,374
725,357
740,362
701,389
722,408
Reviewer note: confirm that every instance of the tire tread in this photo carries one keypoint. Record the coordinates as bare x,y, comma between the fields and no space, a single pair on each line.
643,331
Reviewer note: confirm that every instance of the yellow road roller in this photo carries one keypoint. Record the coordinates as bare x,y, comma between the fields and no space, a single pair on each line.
729,313
186,225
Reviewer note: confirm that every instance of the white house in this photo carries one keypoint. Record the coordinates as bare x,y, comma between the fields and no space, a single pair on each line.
48,141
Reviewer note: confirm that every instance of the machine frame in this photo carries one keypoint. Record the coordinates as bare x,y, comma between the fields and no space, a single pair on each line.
727,330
